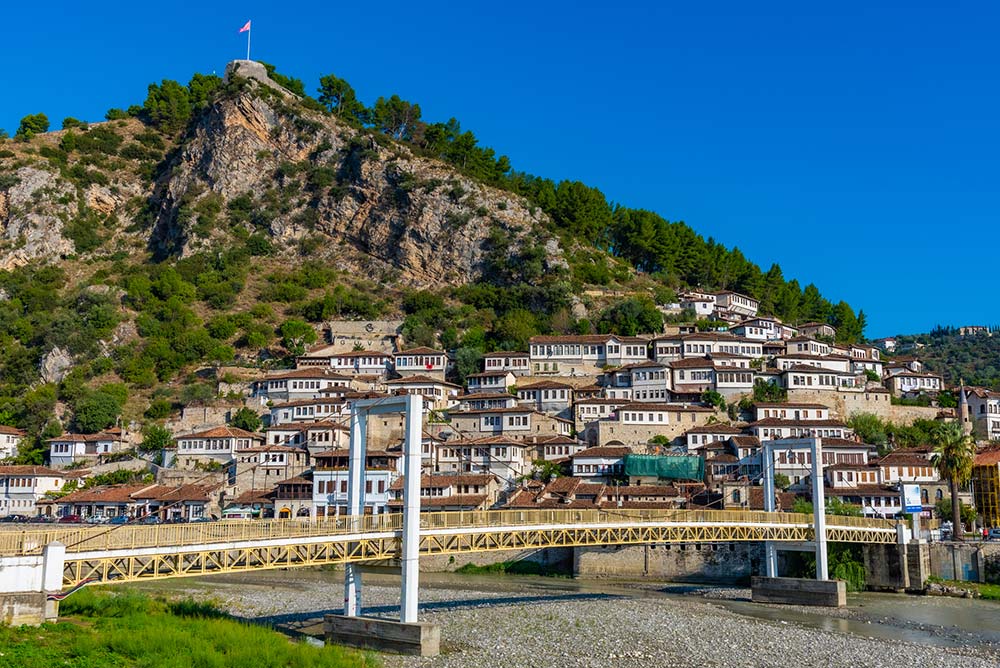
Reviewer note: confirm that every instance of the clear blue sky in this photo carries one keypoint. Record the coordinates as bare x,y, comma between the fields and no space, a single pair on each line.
856,143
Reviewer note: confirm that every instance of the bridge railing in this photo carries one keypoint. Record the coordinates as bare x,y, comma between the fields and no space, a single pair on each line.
87,538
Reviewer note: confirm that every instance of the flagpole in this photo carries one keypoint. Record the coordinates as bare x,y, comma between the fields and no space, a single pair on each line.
248,41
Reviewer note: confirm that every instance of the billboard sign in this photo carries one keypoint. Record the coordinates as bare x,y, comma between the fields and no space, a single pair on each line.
911,499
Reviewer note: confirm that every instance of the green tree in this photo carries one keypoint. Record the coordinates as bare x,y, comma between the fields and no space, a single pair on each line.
545,470
167,105
296,335
781,481
713,398
96,411
766,392
201,88
340,99
246,419
31,125
636,315
396,117
944,511
954,455
69,123
870,428
155,437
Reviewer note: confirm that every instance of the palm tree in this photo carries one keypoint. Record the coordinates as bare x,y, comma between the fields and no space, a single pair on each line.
954,454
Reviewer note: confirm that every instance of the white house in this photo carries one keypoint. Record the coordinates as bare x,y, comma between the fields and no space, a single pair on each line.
330,481
517,363
485,400
600,463
10,439
450,492
219,444
507,458
807,377
791,411
421,360
769,429
701,303
304,383
584,354
70,449
590,410
362,362
489,381
439,393
307,410
812,329
914,383
984,412
645,381
735,304
547,396
704,343
22,487
831,362
806,345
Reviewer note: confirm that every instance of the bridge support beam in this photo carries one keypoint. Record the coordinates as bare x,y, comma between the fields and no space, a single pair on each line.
26,582
411,509
355,503
815,446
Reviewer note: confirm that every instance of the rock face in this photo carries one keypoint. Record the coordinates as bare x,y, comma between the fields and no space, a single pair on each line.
55,365
313,174
370,206
31,218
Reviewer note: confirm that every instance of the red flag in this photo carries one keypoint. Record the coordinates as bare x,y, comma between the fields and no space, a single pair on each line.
245,28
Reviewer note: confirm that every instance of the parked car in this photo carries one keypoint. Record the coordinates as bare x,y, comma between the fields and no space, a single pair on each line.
41,519
70,519
14,518
199,520
118,520
96,519
151,519
994,534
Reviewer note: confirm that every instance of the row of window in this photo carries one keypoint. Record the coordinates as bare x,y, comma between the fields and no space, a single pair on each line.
330,486
601,469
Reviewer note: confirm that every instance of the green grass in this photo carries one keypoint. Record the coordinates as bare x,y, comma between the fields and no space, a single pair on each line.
989,592
132,630
512,568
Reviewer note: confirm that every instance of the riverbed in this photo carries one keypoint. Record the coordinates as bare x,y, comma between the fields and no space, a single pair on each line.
536,622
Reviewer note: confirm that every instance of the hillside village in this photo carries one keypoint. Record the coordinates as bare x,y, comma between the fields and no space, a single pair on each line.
675,417
662,420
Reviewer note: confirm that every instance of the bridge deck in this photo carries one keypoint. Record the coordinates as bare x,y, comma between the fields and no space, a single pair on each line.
126,553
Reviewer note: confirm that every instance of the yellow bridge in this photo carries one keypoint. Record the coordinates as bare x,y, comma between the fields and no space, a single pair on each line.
129,553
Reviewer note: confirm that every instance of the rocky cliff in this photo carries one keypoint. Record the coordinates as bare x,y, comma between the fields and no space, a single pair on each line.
256,161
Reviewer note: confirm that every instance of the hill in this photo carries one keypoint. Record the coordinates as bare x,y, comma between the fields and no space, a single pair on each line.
972,358
215,223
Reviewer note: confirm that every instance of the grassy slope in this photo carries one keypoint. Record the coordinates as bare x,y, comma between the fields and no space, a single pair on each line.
130,629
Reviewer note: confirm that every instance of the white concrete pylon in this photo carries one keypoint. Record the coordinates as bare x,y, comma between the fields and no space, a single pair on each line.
355,503
411,509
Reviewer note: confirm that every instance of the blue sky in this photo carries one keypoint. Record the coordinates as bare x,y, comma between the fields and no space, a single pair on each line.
854,143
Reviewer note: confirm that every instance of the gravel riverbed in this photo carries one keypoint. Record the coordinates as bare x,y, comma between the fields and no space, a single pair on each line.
492,624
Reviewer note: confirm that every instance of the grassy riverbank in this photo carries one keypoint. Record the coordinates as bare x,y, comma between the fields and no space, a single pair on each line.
126,629
988,592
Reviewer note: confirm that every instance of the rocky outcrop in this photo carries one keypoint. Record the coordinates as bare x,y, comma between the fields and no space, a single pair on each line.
380,204
55,365
32,217
373,206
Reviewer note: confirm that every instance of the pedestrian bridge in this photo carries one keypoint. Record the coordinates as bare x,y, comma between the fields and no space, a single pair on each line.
128,553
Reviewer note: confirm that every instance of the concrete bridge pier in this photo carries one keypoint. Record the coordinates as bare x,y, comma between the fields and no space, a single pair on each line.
25,585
